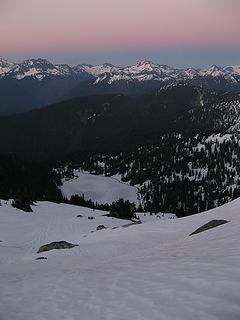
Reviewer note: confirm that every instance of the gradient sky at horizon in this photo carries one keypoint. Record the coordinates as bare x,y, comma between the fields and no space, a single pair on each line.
176,32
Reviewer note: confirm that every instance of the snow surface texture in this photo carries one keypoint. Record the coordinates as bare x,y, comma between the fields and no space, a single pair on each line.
149,271
99,188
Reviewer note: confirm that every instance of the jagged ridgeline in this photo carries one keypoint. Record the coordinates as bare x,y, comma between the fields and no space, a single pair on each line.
35,83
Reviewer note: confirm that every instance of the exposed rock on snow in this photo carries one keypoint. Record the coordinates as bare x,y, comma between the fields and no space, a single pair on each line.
101,227
209,225
56,245
22,205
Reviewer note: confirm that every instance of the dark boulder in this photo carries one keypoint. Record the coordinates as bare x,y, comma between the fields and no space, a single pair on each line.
101,227
56,245
22,204
211,224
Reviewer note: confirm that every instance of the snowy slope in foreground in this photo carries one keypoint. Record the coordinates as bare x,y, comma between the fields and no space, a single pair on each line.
152,271
99,188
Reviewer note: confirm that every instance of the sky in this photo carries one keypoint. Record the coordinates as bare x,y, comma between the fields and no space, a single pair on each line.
176,32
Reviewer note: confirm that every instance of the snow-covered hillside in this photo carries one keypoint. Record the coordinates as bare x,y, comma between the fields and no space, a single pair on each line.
98,188
153,270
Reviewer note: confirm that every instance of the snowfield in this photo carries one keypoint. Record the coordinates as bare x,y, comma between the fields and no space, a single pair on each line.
148,271
99,188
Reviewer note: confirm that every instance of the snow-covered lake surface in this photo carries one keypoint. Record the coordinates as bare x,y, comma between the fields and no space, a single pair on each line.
149,271
99,188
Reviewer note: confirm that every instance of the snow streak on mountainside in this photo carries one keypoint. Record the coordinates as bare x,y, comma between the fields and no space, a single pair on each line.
142,71
152,271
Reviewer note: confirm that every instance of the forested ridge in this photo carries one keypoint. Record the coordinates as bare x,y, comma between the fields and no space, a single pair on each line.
178,145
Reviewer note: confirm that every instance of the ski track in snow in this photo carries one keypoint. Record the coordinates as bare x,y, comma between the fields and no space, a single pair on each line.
151,271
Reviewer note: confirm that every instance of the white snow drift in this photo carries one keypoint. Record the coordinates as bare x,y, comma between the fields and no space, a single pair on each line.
150,271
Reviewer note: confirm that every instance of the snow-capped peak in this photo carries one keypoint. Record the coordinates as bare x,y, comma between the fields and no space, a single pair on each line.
4,62
190,73
106,65
38,69
146,63
213,71
5,66
97,70
234,70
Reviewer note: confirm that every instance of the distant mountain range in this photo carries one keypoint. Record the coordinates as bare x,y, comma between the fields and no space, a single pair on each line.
41,69
37,82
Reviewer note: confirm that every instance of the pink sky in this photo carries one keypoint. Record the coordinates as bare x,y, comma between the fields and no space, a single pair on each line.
34,25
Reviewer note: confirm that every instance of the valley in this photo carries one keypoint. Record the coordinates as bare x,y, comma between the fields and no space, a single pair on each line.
178,145
119,160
